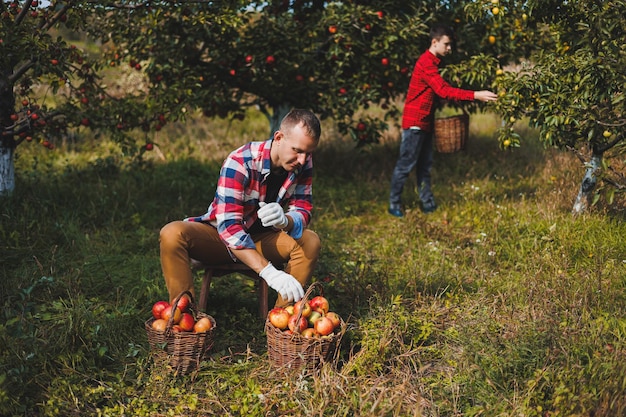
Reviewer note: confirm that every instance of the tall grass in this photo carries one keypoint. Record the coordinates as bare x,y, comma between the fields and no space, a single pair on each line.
499,303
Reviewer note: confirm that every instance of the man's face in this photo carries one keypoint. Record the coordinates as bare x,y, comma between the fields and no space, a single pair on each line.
291,148
442,46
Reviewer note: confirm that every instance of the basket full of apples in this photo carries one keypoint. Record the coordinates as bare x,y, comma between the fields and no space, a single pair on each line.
179,333
306,334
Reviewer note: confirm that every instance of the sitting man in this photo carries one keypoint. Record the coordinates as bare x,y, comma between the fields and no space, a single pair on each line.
247,222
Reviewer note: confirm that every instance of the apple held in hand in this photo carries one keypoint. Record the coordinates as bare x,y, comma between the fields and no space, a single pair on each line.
319,303
158,307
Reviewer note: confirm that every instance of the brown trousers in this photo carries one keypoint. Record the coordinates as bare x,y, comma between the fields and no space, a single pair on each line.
182,241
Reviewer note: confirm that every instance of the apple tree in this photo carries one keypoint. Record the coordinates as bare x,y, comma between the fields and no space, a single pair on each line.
334,58
572,89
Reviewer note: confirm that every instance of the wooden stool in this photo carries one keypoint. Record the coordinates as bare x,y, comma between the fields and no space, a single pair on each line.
211,271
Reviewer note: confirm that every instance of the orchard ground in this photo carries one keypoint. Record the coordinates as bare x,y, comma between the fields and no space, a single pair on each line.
499,303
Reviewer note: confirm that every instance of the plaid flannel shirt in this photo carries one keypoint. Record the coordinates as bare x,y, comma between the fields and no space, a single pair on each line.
424,85
243,183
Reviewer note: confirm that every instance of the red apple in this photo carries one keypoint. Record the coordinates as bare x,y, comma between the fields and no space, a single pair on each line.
303,306
324,326
279,317
297,326
320,303
270,60
169,311
187,322
380,14
384,61
184,301
158,307
249,59
334,318
332,29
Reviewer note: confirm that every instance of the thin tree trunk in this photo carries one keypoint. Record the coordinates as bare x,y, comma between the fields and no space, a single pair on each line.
278,112
7,170
588,185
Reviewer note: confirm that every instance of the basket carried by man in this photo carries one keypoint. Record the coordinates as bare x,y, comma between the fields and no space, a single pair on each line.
299,345
184,349
451,133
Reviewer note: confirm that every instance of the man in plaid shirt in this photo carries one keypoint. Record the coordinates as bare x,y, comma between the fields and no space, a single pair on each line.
416,148
247,222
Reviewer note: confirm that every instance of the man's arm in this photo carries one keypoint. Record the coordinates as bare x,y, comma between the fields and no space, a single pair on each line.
485,95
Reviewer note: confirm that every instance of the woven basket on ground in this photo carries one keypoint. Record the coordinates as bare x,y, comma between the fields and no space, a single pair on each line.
182,350
293,351
451,133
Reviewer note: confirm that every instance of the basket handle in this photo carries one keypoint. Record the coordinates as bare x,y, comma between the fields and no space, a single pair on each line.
192,308
306,297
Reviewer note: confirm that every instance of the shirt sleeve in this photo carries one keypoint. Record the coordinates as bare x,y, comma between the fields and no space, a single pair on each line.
300,200
229,204
442,88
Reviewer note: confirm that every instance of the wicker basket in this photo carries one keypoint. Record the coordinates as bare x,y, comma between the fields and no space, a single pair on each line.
182,350
293,351
451,133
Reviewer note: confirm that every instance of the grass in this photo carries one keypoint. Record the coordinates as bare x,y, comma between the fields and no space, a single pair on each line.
498,304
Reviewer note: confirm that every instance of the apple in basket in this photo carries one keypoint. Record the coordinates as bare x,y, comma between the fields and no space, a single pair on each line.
279,317
187,322
324,326
183,303
159,325
297,326
319,303
303,306
334,318
203,324
158,307
169,311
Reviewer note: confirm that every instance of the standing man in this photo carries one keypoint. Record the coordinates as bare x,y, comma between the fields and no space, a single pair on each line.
247,222
416,149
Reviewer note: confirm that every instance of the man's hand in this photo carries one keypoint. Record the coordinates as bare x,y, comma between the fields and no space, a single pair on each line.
286,285
272,214
485,95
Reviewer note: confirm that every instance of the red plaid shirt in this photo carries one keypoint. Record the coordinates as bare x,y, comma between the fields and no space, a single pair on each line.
243,183
425,84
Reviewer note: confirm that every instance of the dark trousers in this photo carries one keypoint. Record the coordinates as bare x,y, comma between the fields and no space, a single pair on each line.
416,151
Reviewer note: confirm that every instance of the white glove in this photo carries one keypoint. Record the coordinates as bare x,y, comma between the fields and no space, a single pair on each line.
287,286
272,214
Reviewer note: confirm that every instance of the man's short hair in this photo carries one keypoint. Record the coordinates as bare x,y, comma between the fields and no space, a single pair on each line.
439,30
309,121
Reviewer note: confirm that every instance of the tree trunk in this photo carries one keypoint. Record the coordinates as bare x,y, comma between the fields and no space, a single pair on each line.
7,170
585,193
278,112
